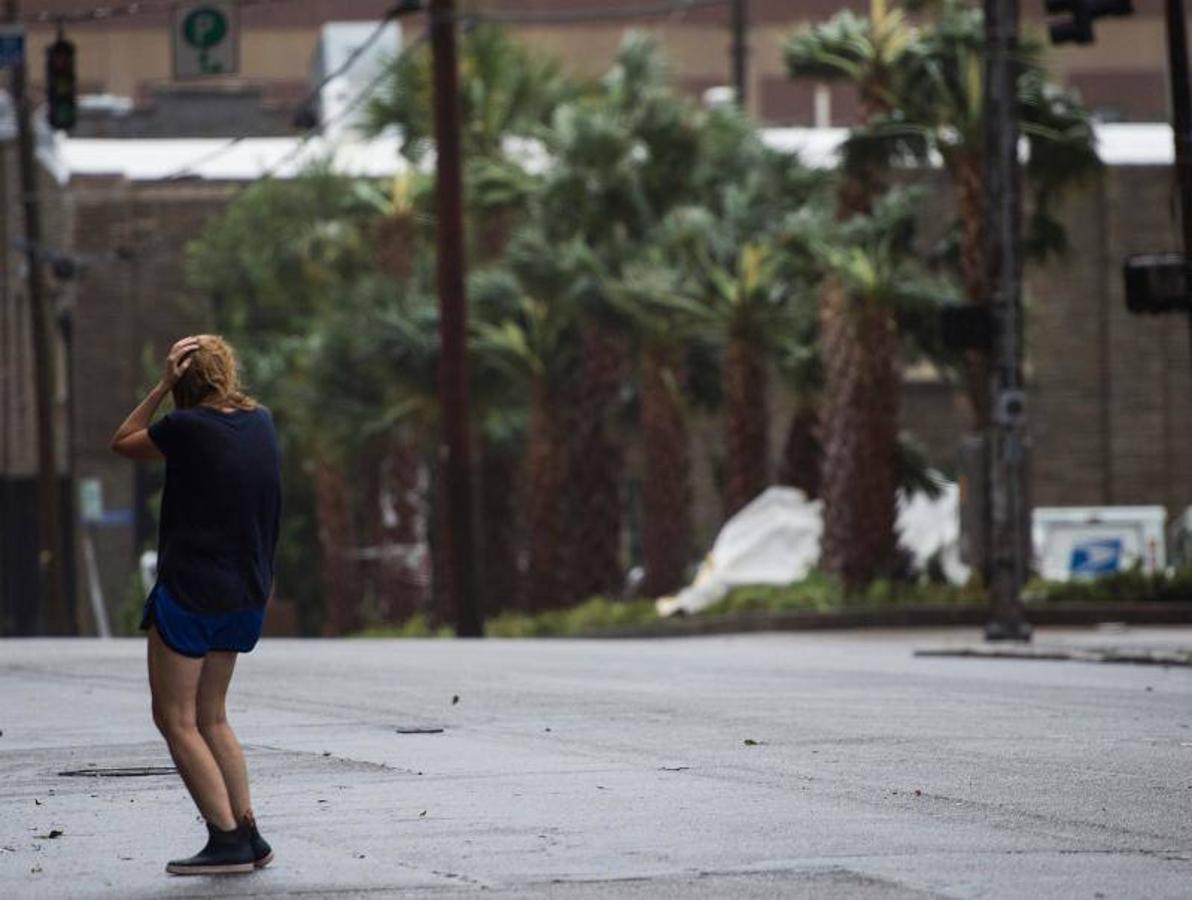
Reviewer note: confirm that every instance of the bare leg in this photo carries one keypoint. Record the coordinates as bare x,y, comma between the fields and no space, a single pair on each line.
214,727
174,684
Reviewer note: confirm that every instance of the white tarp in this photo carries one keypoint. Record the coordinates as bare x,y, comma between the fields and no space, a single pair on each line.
776,540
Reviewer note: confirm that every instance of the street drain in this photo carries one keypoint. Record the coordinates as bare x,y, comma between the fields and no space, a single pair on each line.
120,772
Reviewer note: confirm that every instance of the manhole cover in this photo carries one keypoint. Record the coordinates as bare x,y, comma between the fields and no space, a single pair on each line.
120,772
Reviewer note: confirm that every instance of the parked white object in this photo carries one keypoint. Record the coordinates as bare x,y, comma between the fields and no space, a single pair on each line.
1081,542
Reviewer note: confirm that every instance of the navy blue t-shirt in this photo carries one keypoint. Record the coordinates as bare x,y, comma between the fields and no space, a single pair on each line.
220,508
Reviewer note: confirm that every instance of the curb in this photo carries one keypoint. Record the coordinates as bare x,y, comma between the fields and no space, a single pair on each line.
915,616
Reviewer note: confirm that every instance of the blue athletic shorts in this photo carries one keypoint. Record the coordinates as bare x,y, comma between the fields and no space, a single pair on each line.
195,634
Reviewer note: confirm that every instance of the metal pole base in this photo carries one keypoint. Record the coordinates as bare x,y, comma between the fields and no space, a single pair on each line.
1014,630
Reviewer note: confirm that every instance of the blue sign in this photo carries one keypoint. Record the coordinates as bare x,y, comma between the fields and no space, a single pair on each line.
12,46
1096,557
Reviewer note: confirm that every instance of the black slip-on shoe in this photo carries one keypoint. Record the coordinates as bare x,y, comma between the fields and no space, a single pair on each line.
262,853
226,853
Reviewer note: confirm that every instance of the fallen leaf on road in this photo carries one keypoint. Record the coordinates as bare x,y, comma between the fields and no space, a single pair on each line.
36,802
36,870
421,814
918,793
53,833
454,699
750,742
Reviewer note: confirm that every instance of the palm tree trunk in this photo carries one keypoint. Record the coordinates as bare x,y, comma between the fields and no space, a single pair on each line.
595,464
860,434
499,526
802,454
337,540
666,476
545,501
747,422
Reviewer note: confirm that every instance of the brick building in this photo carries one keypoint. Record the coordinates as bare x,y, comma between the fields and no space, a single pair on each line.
1121,76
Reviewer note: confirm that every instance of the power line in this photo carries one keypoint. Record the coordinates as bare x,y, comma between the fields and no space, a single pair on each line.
351,106
125,11
594,13
393,13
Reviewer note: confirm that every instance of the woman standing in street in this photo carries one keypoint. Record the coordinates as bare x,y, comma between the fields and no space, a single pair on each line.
218,533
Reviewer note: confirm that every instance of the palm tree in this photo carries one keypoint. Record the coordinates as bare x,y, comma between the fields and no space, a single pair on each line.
941,112
858,420
507,92
652,304
532,337
730,243
873,277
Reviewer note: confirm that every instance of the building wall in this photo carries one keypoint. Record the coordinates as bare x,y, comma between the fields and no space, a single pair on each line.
19,537
1122,75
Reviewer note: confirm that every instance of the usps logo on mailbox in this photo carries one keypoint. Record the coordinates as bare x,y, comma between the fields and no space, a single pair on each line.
1096,557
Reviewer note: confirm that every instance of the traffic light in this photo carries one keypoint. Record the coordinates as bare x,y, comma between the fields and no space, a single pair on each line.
1079,28
1158,283
61,85
966,327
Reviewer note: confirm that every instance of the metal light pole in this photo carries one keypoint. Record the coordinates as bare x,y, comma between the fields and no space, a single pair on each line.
1002,235
51,556
1181,118
455,446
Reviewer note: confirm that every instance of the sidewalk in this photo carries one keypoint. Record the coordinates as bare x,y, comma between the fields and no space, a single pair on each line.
826,765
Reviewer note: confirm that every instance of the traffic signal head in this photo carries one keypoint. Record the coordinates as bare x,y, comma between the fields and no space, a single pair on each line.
1158,283
1078,29
61,85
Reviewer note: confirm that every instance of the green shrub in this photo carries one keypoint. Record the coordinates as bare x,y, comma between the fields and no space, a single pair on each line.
417,626
1133,586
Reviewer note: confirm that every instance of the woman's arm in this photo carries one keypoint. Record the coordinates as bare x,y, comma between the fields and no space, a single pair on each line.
132,437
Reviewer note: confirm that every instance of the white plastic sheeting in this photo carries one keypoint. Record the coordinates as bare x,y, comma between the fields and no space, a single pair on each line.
776,540
773,540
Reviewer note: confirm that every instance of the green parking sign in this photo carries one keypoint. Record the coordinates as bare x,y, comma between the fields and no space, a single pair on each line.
206,40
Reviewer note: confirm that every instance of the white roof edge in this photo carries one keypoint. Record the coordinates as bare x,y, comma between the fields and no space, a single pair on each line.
219,159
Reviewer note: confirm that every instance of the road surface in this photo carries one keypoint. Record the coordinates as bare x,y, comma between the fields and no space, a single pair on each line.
834,765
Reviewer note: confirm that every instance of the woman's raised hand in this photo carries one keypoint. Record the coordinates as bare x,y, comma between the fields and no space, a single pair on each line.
178,360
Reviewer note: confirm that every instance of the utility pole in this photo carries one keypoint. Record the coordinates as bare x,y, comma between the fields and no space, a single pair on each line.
51,557
1002,238
1181,119
455,443
740,49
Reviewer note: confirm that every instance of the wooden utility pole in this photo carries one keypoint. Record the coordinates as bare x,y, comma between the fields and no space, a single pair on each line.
51,557
1003,243
455,442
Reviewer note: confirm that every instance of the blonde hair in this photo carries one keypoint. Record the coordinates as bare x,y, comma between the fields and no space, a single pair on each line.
212,377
